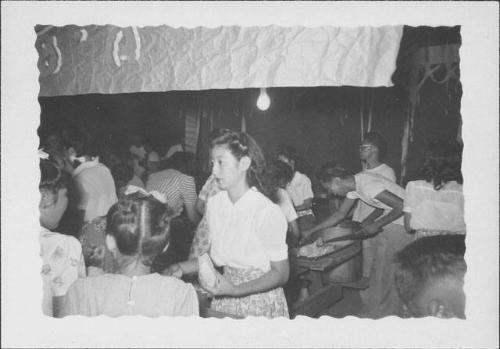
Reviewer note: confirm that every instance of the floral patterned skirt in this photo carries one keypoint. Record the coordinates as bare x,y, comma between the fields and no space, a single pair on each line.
270,304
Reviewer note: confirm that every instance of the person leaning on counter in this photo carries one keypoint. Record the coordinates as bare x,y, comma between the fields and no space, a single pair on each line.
387,197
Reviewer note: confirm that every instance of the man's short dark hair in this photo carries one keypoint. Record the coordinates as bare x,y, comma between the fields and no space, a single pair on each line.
377,140
426,260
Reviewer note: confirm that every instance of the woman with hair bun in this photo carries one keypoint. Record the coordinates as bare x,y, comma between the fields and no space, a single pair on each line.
138,229
247,234
434,205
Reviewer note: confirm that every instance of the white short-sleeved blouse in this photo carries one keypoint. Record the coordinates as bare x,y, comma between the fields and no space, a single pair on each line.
369,185
248,233
432,209
95,189
300,188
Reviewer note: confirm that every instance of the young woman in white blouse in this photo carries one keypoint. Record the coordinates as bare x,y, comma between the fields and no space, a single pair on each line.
434,205
247,233
279,176
299,188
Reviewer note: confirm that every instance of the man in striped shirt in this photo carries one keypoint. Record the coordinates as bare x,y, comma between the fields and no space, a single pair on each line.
179,190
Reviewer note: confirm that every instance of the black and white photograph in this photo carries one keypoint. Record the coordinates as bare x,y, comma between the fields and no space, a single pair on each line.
209,181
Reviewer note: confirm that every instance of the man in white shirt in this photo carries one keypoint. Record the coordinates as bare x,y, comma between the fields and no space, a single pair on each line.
93,185
371,152
95,189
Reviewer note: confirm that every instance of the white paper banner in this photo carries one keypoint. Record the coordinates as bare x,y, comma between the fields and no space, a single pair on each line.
108,59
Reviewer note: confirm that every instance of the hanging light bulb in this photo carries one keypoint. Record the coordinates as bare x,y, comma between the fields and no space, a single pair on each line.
263,102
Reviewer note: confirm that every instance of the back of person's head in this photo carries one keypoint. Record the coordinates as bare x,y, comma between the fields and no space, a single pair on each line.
429,276
376,139
443,163
53,198
241,144
140,226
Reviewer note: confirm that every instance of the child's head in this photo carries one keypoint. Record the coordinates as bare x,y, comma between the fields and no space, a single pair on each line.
430,275
138,226
373,146
236,157
443,163
53,191
332,180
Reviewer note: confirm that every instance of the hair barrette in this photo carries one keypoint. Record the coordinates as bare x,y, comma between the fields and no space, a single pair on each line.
132,189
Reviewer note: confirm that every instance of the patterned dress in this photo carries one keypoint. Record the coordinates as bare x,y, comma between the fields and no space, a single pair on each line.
62,265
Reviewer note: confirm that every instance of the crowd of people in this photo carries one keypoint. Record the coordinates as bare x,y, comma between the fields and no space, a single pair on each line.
132,235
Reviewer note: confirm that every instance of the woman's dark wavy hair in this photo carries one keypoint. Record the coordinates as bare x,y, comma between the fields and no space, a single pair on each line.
277,175
241,144
291,153
442,163
52,178
140,225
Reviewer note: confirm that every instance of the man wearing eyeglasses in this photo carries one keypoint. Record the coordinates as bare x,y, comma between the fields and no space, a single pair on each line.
371,153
